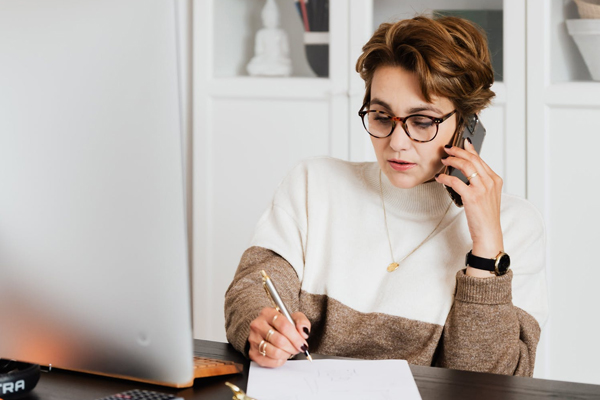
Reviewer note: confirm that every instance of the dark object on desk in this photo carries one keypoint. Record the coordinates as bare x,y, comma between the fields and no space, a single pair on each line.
17,378
491,21
141,395
433,383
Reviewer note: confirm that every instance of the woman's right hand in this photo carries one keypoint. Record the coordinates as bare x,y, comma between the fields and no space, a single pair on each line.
284,341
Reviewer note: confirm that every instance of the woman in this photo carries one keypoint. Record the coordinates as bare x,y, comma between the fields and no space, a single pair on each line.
370,257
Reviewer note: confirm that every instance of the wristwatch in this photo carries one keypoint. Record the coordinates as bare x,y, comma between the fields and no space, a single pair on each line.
498,265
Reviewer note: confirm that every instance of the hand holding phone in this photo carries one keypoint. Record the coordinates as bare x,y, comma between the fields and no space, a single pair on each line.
481,193
475,132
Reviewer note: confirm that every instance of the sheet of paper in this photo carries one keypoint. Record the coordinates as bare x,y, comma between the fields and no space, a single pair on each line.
332,380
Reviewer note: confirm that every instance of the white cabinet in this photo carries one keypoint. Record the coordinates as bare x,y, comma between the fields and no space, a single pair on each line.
563,110
248,132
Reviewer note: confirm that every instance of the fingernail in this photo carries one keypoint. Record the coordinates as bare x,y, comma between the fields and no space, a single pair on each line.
469,140
448,146
306,331
304,347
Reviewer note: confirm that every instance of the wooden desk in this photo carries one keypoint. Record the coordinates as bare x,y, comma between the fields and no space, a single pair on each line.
433,383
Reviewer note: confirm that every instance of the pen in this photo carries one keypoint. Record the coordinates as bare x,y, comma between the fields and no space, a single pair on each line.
278,303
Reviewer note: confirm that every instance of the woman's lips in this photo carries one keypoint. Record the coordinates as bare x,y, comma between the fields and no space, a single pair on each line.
401,165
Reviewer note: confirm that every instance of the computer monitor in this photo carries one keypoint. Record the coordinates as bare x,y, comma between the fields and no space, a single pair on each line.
93,250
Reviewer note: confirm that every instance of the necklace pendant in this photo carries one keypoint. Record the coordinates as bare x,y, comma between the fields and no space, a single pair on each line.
392,267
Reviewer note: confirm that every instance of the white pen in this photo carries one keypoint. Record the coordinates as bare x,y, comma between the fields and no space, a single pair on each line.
278,303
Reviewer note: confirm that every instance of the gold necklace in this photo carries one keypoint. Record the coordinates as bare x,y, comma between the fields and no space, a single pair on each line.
394,265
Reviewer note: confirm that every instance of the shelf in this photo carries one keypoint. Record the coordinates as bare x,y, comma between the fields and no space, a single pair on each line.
566,62
271,88
292,88
234,30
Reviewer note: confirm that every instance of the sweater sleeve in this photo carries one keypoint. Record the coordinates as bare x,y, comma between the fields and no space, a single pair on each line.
484,332
246,297
278,247
495,323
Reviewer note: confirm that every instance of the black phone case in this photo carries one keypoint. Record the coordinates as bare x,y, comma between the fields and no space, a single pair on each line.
475,131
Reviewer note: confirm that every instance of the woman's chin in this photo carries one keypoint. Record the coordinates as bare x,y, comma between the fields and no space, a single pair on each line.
403,180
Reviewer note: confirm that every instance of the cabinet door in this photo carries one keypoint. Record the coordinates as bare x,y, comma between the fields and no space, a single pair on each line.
563,106
249,132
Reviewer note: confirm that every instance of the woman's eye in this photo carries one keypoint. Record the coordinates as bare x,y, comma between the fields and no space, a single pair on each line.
421,122
381,119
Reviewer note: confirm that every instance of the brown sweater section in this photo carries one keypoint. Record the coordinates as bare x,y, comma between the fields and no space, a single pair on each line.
339,330
483,331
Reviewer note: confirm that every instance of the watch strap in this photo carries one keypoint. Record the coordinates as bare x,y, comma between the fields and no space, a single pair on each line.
486,264
498,265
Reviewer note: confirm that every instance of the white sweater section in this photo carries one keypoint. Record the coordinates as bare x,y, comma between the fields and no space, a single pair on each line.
326,219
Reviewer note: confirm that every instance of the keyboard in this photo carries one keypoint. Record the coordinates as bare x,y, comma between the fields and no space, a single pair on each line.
204,367
141,395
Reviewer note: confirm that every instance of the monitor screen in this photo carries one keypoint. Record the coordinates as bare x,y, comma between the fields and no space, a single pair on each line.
93,244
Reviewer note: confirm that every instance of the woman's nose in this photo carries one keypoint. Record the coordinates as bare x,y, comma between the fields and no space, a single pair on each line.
399,140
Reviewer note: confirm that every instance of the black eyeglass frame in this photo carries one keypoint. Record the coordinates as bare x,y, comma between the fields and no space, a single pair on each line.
437,121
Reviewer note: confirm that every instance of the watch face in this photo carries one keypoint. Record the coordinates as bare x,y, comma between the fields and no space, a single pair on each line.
503,264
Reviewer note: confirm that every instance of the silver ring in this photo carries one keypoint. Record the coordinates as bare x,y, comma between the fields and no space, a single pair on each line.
274,318
269,334
473,175
262,348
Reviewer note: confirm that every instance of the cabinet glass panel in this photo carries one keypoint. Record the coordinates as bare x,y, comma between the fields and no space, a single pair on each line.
568,63
486,13
236,28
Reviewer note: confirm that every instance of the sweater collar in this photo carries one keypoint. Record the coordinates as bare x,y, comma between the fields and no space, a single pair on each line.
429,198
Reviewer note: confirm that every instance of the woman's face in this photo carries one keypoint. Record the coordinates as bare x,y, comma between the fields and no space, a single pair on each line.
405,162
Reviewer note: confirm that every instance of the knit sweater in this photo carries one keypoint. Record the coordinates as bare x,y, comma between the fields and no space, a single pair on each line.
323,241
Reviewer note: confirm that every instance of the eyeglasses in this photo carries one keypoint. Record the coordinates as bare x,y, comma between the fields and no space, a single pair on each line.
420,128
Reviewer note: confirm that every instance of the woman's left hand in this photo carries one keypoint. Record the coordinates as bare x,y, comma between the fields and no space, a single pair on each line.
481,200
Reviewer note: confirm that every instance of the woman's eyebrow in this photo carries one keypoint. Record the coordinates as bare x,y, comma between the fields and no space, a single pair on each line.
426,107
412,110
381,103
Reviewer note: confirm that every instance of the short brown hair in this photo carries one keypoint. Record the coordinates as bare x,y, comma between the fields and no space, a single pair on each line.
449,55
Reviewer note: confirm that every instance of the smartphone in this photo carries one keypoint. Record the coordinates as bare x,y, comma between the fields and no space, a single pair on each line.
475,131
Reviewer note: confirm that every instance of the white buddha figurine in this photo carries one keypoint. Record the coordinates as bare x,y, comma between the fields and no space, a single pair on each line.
272,49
